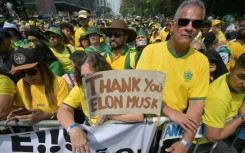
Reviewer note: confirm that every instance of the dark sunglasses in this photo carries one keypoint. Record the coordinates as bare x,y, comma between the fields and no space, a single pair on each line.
195,23
115,34
52,36
22,73
212,61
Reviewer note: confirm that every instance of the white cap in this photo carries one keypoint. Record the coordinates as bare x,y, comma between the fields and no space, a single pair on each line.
83,14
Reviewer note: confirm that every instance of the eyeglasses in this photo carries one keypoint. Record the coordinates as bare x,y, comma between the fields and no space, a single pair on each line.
52,36
22,73
195,23
115,34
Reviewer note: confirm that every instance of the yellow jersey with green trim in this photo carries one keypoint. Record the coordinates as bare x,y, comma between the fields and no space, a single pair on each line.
76,98
127,59
7,86
187,75
228,103
39,99
220,36
237,49
78,33
63,57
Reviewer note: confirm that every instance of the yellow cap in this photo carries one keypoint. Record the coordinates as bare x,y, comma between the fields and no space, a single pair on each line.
217,22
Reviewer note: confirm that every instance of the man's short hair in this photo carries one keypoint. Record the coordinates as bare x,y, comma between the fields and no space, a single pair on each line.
240,34
190,3
4,34
240,63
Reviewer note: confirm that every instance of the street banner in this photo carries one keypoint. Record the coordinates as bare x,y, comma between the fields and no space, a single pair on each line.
107,138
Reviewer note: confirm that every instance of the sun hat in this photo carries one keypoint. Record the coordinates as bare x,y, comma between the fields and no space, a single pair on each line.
53,30
24,58
94,29
143,32
120,25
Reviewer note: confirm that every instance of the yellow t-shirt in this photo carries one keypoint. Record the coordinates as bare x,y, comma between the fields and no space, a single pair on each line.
78,32
39,99
187,76
163,34
237,49
63,58
76,98
7,86
127,59
227,102
220,36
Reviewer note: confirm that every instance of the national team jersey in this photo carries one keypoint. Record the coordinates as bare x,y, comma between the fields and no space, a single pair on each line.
39,99
237,49
187,76
7,86
63,57
127,59
76,98
78,33
221,97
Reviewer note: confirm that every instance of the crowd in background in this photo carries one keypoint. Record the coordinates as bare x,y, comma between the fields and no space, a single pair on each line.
42,62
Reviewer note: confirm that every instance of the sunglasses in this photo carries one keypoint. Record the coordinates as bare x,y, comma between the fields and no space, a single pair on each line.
22,73
52,36
115,34
195,23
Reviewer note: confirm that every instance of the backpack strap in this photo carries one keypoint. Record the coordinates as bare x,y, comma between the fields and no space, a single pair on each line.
69,50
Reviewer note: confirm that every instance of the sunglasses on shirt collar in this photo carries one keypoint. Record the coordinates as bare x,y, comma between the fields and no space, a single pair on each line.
23,73
182,22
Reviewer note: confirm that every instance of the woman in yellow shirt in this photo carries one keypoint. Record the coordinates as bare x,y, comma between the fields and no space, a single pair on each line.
38,90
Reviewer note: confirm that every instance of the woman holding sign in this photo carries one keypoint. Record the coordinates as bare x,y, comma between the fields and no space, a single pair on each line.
90,63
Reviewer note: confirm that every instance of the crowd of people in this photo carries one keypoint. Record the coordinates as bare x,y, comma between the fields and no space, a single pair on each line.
42,65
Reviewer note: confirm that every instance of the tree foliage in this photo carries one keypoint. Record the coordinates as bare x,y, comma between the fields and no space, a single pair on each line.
104,10
168,7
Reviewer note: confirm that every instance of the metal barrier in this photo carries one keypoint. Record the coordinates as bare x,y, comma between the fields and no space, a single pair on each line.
156,120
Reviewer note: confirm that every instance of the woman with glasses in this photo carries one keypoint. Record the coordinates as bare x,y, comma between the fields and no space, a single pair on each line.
38,90
89,63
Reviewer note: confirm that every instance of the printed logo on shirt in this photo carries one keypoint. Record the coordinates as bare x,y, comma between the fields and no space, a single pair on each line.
188,75
40,105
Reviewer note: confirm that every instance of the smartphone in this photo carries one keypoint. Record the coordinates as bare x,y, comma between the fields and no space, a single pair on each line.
21,111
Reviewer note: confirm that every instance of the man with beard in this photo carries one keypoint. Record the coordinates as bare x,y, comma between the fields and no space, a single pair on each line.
121,55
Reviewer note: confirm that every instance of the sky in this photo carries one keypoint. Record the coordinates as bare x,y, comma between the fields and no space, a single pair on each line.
115,6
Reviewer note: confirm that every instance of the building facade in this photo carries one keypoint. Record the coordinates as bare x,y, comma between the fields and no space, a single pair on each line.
60,7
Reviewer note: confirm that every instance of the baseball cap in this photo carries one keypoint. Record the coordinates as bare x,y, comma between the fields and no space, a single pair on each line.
209,39
83,14
24,58
217,22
